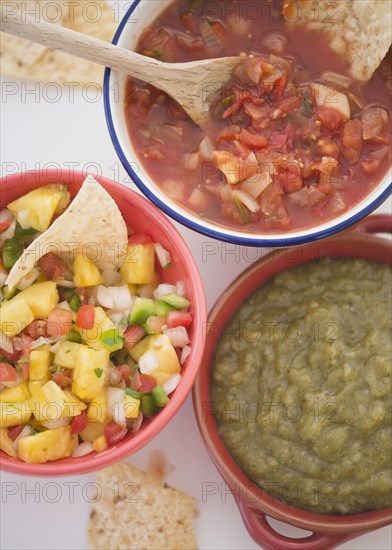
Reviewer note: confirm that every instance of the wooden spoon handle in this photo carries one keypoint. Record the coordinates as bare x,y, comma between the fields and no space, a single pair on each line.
84,46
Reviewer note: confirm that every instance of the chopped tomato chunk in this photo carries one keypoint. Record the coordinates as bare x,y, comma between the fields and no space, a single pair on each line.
7,373
52,266
79,422
148,383
85,317
179,319
59,322
114,433
132,335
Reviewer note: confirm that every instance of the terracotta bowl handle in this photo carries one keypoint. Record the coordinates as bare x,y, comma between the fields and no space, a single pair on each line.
380,223
266,536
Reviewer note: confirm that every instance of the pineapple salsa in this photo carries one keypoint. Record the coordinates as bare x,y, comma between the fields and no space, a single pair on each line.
86,352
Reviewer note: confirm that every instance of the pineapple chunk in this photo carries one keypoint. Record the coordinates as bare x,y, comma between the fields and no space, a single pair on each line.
139,264
86,272
168,363
15,395
48,403
42,298
66,354
35,386
15,316
6,443
131,406
98,409
47,445
73,405
90,372
102,323
36,209
13,414
39,365
92,431
100,443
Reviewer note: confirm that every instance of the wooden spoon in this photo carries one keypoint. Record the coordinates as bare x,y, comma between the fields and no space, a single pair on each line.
191,84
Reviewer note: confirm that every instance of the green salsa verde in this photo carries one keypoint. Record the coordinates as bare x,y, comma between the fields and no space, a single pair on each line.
301,386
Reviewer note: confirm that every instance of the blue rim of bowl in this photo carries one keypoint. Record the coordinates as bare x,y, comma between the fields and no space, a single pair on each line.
199,228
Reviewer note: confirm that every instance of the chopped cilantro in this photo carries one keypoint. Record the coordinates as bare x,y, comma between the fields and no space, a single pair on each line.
98,372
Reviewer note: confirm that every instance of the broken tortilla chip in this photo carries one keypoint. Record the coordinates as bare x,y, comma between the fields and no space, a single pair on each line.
360,30
92,224
26,60
142,512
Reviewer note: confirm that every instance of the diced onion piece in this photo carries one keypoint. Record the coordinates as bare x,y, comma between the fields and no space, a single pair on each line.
116,317
206,149
255,185
210,38
178,336
198,199
191,161
114,375
180,288
247,200
64,283
332,99
41,341
307,196
148,362
6,343
116,405
226,193
171,383
163,255
134,424
145,291
163,289
6,215
27,430
185,353
58,423
117,298
64,305
83,449
55,347
373,121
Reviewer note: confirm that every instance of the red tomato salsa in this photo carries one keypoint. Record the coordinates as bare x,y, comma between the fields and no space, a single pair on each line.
293,140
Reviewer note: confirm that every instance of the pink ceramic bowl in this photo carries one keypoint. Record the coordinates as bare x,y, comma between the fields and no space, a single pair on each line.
145,218
254,504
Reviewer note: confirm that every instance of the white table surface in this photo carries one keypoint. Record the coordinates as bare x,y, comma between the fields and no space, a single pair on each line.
37,132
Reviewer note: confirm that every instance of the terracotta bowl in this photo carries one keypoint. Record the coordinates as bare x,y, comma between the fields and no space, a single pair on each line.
145,218
254,504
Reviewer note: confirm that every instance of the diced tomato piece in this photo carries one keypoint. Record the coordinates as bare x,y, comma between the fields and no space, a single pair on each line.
59,321
148,383
126,372
279,86
62,378
114,433
4,226
22,343
139,239
52,266
330,118
179,319
79,422
133,335
135,380
13,357
352,135
291,178
253,140
228,133
15,431
85,317
7,373
370,166
36,329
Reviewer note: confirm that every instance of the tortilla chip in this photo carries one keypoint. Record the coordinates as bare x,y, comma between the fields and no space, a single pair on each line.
135,510
26,60
360,30
92,224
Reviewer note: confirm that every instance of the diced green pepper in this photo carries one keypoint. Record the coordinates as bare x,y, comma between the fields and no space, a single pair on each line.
148,406
175,300
21,233
141,310
112,339
12,251
148,328
74,336
135,394
74,303
159,396
162,308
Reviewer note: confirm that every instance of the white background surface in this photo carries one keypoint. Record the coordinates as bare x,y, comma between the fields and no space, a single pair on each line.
38,132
